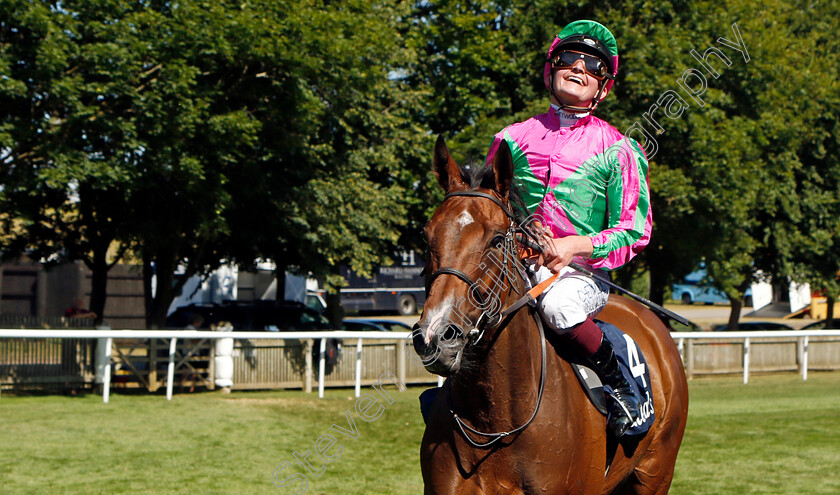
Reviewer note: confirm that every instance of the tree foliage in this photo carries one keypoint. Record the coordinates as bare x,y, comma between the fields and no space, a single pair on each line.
743,176
199,131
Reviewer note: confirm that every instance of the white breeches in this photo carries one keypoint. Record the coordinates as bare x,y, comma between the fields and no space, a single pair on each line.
571,299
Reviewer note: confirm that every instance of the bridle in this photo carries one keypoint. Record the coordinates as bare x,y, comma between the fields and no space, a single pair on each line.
499,320
493,318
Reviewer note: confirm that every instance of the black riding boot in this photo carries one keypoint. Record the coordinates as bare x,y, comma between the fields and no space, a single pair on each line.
624,410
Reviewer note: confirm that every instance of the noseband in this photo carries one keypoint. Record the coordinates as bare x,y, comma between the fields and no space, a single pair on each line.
501,319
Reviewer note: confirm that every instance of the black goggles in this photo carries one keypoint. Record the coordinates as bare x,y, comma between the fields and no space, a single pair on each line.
594,66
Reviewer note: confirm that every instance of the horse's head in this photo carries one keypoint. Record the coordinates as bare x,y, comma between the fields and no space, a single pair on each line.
471,265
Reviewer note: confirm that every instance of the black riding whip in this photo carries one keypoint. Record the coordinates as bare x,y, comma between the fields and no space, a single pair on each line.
652,305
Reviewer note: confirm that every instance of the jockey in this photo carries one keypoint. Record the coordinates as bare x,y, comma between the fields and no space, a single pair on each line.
586,186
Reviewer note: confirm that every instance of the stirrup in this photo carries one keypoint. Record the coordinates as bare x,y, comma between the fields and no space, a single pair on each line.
621,418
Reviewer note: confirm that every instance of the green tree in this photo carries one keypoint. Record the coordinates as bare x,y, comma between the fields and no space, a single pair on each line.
715,159
729,179
111,139
300,125
66,137
780,100
209,132
338,156
816,259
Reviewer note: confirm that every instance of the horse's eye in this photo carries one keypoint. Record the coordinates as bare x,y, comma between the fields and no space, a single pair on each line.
498,241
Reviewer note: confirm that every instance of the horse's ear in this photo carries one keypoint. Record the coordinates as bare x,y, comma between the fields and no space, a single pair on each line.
503,168
447,171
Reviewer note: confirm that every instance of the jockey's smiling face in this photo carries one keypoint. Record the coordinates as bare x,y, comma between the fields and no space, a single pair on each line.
575,87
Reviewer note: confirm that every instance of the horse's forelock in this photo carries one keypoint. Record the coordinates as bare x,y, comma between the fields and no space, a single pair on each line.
478,176
481,176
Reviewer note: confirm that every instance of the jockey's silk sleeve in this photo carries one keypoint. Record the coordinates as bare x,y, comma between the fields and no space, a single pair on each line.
587,179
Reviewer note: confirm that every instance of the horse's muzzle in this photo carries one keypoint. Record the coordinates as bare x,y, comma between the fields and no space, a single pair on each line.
442,354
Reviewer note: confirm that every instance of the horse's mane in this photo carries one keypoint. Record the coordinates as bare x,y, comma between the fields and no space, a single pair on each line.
478,176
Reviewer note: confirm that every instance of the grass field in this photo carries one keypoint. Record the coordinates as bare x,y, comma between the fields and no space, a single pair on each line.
777,435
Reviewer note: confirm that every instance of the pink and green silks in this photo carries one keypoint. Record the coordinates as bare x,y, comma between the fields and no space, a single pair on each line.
587,179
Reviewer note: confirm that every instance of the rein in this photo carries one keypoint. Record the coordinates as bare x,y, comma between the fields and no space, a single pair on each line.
500,320
495,437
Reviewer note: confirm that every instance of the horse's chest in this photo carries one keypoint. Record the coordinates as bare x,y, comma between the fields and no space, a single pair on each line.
562,451
542,464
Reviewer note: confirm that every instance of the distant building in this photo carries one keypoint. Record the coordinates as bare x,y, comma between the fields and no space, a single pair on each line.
29,288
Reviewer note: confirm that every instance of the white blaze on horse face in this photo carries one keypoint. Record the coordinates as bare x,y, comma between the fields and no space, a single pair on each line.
464,219
437,317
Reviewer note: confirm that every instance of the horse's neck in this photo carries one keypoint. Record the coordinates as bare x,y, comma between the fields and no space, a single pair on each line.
504,387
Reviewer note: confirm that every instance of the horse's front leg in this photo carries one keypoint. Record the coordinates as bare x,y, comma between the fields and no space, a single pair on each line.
440,471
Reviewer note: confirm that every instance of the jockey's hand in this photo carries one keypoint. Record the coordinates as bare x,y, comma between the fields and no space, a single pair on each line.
558,253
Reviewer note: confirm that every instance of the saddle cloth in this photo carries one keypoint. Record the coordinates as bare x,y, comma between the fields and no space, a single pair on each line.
633,366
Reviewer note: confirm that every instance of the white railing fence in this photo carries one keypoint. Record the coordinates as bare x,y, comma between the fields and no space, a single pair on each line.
106,337
685,341
779,339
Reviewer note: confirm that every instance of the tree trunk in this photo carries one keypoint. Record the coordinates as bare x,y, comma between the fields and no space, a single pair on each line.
657,288
734,314
167,287
99,283
164,293
157,304
624,277
829,311
335,311
99,268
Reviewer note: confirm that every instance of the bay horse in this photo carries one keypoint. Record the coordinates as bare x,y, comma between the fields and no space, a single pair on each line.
549,438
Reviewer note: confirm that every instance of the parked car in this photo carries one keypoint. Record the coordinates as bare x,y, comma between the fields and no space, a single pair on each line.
377,325
253,316
314,300
754,325
823,325
691,291
272,316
